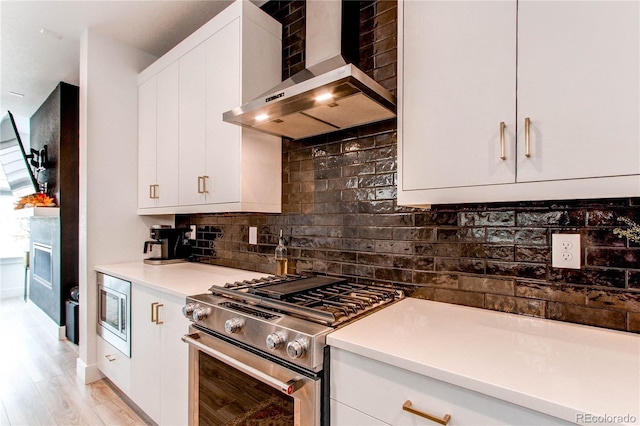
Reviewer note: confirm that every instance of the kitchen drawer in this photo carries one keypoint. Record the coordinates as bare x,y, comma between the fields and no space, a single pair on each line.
344,415
380,390
115,365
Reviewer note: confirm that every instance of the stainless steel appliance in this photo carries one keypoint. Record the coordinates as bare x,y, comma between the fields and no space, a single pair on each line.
257,348
331,93
114,312
168,245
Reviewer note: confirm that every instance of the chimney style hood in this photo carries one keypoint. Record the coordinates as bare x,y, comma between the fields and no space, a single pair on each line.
329,95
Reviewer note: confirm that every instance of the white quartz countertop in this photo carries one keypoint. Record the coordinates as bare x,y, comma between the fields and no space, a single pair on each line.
179,279
556,368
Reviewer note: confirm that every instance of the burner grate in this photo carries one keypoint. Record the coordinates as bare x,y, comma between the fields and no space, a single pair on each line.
321,299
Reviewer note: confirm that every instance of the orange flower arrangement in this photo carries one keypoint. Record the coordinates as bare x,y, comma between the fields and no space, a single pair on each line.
35,200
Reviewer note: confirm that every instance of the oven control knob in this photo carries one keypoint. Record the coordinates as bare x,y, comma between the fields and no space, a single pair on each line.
297,348
200,314
187,310
233,325
276,340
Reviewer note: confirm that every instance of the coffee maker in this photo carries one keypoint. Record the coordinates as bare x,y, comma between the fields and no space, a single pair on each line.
168,245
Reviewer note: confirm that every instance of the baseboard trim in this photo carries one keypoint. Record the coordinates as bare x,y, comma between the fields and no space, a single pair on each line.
87,373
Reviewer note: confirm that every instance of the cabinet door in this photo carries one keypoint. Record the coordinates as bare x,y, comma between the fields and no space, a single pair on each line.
174,374
167,136
192,126
223,140
458,85
578,83
147,97
145,351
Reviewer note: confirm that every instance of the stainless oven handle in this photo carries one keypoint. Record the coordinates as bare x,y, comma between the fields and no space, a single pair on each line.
286,387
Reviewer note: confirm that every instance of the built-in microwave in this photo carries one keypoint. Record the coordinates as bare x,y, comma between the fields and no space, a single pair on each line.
114,312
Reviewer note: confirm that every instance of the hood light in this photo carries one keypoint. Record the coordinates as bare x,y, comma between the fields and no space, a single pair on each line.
324,97
261,117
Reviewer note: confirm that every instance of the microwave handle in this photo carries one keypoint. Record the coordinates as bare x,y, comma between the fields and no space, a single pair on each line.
286,387
123,315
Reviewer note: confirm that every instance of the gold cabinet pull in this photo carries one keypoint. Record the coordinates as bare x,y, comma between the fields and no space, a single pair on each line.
443,421
154,312
527,137
153,193
158,306
110,358
202,184
502,148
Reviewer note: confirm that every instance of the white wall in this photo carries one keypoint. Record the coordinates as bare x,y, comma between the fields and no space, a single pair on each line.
11,277
110,230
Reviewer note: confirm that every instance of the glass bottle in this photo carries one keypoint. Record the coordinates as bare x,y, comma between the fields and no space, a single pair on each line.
281,257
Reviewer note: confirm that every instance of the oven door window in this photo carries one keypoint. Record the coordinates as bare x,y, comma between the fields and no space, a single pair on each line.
112,308
231,398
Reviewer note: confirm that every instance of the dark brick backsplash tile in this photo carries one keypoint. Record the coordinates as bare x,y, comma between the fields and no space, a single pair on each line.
611,299
435,279
434,218
531,236
447,235
515,305
610,217
614,257
634,280
521,270
471,266
378,232
392,274
486,285
487,219
500,235
553,293
339,207
552,218
412,234
466,298
634,322
588,277
588,316
376,207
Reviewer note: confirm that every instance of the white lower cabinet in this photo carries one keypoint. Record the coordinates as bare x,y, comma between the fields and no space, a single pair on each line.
114,364
362,387
159,359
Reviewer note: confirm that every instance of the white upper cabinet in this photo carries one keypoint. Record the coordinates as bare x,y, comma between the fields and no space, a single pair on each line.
578,82
460,84
472,73
208,165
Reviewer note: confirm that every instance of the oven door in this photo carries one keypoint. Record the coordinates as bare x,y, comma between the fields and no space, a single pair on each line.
229,385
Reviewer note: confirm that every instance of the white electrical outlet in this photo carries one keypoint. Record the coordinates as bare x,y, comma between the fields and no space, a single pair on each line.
565,251
253,235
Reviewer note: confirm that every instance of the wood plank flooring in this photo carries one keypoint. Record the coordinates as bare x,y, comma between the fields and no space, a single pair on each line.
38,382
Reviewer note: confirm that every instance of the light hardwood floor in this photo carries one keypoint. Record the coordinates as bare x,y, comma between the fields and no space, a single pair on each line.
38,382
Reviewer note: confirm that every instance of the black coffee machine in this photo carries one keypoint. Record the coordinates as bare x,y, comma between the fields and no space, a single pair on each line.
168,245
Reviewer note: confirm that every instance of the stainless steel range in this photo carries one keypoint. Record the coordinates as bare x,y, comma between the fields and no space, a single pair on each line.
272,332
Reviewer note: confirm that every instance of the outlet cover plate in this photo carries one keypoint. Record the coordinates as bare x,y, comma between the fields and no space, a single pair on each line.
253,235
565,251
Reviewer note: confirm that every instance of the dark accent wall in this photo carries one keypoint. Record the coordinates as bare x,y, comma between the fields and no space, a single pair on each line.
56,124
340,217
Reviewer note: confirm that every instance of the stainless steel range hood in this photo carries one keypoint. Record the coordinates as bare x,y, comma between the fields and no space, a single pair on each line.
328,95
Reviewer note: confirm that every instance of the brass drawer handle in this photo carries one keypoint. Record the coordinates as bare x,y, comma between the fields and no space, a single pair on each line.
158,306
443,421
110,358
154,312
202,184
502,149
527,137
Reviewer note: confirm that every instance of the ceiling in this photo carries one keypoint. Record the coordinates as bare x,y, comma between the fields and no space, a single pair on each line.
33,61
